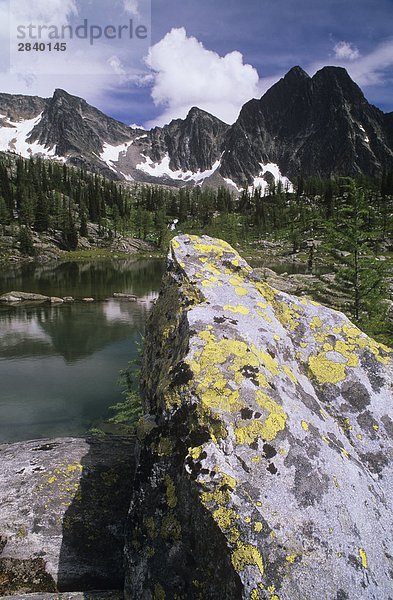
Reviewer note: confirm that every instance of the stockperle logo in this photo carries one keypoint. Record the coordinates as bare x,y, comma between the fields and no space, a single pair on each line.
78,36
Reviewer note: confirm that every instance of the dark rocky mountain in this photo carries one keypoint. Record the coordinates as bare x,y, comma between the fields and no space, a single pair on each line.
193,144
320,125
73,126
311,126
15,107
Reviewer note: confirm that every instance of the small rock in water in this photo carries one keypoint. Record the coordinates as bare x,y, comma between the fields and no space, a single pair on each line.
129,297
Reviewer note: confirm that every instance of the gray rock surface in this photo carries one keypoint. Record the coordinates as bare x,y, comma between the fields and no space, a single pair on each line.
266,449
63,504
24,297
106,595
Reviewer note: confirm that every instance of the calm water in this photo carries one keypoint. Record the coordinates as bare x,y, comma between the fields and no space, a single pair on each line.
59,365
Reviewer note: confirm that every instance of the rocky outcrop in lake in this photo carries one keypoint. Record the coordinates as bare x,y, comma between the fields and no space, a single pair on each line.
265,466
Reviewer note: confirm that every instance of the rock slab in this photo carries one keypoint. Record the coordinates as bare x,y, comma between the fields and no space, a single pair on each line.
266,454
63,504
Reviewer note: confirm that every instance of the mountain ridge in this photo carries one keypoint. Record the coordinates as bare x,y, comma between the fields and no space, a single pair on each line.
321,125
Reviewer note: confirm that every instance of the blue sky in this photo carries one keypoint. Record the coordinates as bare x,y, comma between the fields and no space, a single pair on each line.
214,54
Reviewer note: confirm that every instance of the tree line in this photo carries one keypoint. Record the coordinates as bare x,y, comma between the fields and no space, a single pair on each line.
351,218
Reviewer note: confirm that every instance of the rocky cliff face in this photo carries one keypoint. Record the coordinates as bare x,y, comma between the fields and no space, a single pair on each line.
318,126
311,126
266,456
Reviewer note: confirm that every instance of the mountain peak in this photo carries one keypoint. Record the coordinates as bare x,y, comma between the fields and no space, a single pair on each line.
196,113
297,72
336,80
60,93
334,74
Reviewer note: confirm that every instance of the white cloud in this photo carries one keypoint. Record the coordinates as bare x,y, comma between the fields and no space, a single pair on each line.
131,7
187,74
116,65
346,51
55,12
366,70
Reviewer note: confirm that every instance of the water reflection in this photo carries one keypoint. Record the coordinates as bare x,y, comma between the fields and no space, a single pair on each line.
59,365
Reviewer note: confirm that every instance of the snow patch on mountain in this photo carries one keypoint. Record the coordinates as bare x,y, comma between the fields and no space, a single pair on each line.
262,181
232,183
365,137
14,135
162,169
110,154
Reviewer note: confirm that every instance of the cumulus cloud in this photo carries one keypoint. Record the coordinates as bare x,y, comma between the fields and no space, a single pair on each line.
346,51
187,74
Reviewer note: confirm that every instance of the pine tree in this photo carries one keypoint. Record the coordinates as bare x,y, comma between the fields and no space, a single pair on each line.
41,217
26,245
4,214
360,275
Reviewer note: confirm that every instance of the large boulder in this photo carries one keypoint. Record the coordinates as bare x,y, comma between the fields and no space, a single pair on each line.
266,449
63,505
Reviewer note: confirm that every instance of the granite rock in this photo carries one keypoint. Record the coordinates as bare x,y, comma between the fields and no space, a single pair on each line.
265,470
63,507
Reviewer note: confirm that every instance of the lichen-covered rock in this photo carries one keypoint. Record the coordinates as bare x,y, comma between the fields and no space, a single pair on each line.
266,449
94,595
63,504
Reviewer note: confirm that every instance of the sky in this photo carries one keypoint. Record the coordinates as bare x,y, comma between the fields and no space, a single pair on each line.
213,54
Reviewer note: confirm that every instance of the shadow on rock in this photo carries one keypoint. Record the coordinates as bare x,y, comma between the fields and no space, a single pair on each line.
91,554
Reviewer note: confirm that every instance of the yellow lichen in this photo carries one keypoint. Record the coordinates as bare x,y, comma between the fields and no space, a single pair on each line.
269,362
346,350
218,496
224,517
363,558
305,425
236,280
171,497
325,370
288,315
242,310
246,555
316,323
171,528
287,370
262,304
240,291
228,481
234,535
291,558
150,527
164,447
159,592
266,291
258,527
195,452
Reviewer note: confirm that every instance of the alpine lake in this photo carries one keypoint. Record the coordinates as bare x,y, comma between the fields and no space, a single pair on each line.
60,364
